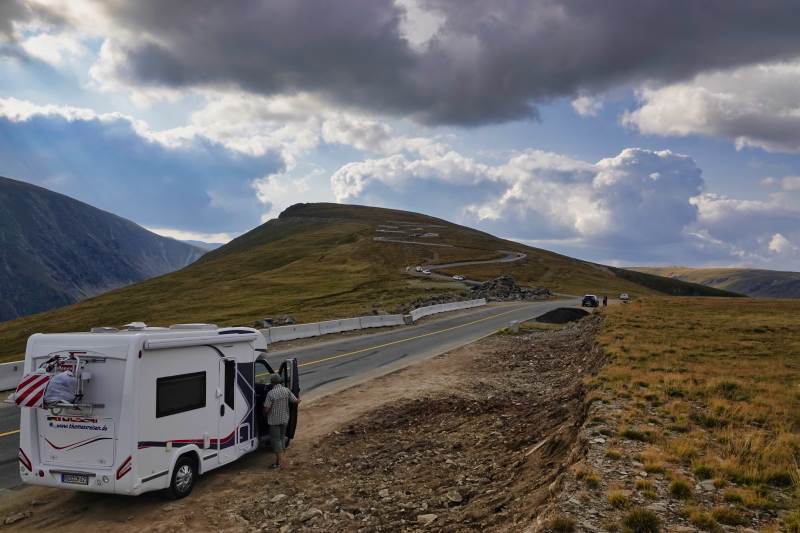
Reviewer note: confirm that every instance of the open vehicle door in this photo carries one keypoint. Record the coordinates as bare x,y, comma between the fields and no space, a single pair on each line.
290,377
290,372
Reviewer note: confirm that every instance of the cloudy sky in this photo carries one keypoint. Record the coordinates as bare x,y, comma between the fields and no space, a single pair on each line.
626,132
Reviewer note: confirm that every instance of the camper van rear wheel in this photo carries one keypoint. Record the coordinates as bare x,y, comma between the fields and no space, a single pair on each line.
183,477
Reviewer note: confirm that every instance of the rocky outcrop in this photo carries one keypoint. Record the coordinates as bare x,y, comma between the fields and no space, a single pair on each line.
505,288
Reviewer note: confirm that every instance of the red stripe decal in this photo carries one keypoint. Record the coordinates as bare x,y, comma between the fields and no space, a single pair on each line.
27,380
33,401
124,468
24,460
32,388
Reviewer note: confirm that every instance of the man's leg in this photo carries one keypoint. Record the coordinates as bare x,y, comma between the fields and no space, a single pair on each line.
282,440
276,440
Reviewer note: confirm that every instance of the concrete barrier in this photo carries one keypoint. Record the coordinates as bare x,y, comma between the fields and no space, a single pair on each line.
380,321
315,329
420,312
10,375
287,333
338,326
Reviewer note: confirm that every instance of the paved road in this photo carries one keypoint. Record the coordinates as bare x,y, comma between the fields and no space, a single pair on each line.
510,257
329,365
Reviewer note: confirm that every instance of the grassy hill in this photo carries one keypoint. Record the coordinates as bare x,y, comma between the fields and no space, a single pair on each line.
319,261
749,281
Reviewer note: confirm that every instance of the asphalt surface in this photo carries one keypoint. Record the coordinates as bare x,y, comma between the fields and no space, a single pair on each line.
331,365
510,257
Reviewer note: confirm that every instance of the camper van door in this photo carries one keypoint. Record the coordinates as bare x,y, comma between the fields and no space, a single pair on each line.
227,410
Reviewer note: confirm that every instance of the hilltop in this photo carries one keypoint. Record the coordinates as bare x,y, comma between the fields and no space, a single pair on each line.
319,261
750,281
55,250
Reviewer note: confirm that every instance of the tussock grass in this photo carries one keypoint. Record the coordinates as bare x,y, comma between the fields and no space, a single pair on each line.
726,374
561,524
618,499
641,521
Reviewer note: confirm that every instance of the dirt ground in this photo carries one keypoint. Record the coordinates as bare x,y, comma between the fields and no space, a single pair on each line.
475,439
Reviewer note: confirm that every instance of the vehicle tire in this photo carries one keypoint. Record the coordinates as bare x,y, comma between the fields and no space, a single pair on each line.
184,476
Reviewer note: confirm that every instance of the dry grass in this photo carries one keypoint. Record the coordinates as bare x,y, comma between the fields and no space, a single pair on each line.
722,378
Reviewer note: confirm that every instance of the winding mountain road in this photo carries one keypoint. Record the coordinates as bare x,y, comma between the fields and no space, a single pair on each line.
510,257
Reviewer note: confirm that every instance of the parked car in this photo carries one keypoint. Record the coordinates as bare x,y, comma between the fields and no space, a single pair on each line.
426,272
624,298
418,269
458,277
590,300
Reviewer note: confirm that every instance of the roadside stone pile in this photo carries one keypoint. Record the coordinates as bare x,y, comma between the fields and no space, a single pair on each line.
435,300
269,322
505,288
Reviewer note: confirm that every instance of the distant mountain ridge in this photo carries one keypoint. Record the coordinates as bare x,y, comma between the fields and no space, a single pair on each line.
759,283
55,250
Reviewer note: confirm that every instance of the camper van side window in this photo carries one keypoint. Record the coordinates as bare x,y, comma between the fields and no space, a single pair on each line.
177,394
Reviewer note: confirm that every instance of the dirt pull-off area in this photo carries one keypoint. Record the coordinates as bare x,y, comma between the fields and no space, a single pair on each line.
470,440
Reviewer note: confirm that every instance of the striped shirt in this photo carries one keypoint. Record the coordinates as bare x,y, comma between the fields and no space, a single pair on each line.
277,401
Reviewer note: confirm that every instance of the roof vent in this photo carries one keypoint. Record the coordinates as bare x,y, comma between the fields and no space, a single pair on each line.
104,329
194,326
135,326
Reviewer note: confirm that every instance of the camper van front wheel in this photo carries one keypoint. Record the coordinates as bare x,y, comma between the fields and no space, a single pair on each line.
183,477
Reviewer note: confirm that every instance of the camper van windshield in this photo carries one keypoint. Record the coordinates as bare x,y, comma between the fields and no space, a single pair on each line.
177,394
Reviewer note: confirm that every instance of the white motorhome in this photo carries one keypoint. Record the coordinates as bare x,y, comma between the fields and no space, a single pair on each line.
154,408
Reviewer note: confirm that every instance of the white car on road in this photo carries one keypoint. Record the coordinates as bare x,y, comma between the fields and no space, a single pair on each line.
426,272
458,277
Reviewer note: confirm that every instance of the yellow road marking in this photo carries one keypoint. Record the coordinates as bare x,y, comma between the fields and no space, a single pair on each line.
362,350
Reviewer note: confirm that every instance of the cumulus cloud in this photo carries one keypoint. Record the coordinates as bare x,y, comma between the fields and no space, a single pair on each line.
587,106
438,61
755,230
754,106
636,197
638,206
780,244
116,163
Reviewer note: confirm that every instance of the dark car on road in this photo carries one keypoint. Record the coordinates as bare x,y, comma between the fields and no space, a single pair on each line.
590,300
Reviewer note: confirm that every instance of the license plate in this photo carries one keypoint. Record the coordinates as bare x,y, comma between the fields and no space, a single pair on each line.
75,479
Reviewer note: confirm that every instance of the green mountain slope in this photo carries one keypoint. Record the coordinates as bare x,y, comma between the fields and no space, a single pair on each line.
750,281
55,250
319,261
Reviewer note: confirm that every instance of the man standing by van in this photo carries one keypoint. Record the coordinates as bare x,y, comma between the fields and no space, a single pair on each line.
276,407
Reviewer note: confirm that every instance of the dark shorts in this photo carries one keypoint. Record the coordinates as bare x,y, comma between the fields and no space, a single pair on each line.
277,437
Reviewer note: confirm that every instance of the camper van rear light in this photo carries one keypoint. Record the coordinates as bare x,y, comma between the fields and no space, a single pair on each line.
24,460
124,468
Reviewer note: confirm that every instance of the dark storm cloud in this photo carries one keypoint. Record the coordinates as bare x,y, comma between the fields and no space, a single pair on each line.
19,12
11,11
489,61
